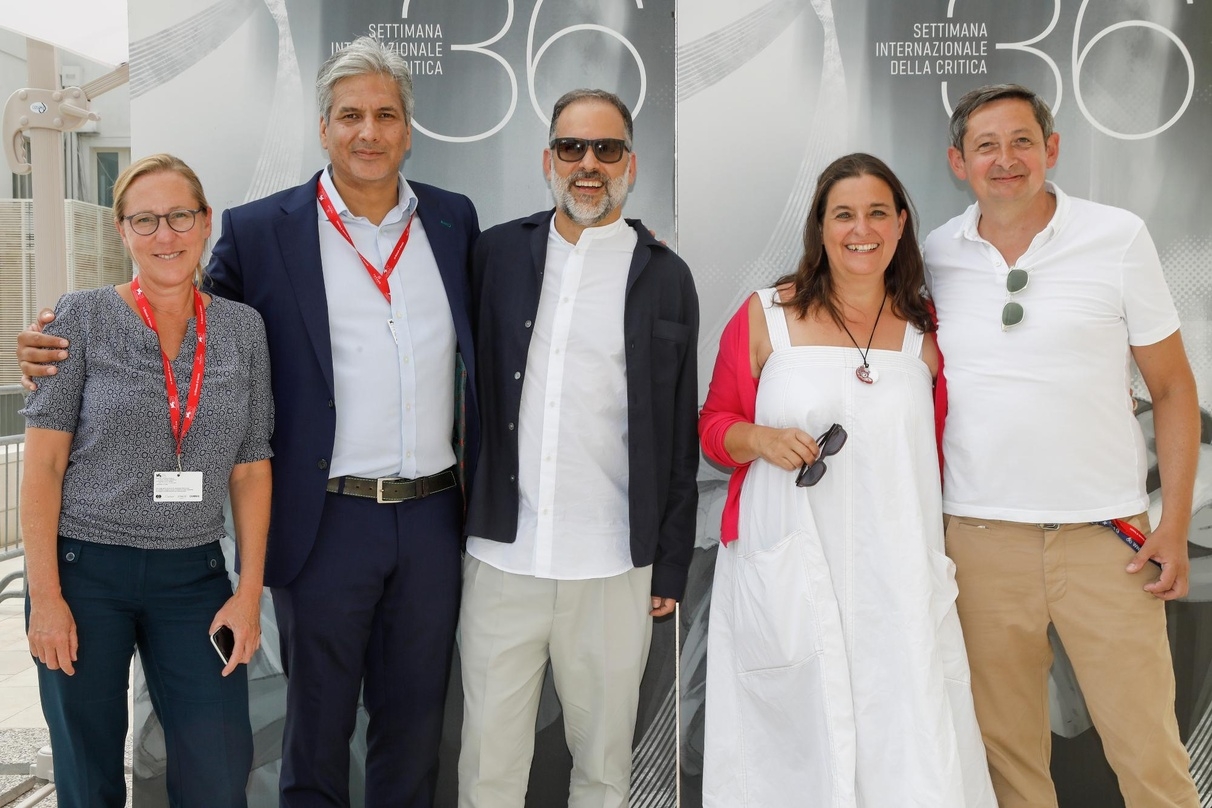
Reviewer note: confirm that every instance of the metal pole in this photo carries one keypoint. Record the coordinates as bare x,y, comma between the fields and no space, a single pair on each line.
46,158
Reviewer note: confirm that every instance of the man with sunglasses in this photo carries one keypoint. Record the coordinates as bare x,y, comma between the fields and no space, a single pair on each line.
582,514
1042,300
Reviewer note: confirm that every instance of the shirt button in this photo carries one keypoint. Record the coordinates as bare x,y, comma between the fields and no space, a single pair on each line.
405,360
512,477
511,426
70,556
214,562
408,454
323,464
331,404
408,407
517,374
528,323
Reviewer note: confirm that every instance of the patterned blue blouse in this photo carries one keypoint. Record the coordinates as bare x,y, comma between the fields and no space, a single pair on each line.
109,393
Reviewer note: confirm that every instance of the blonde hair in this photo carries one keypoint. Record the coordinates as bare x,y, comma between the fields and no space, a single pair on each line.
155,164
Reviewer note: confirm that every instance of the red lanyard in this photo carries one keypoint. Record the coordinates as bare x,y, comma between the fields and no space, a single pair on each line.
380,278
179,426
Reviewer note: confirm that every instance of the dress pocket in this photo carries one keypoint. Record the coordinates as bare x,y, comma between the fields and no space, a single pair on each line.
776,621
794,700
949,638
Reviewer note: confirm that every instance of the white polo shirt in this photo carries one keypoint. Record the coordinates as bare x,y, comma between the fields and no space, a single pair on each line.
1040,426
573,508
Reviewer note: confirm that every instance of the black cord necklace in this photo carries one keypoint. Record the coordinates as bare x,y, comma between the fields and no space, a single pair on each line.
864,372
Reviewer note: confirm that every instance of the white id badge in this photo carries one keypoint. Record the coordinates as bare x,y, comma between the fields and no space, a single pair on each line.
177,486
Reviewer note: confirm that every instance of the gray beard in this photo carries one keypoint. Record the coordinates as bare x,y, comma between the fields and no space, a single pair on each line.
587,215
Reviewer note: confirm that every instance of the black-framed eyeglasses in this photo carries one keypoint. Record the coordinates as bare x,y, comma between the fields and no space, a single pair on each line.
829,444
1012,312
572,149
146,223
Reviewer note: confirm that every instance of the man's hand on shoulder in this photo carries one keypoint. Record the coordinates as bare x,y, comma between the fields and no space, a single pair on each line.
37,352
1168,547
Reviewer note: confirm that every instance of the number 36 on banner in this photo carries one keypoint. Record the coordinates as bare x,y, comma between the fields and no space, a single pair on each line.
533,56
1079,55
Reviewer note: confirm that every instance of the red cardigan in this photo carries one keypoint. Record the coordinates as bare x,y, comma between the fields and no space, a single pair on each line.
732,399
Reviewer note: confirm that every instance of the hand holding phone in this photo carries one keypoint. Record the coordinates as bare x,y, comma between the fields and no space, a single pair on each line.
224,642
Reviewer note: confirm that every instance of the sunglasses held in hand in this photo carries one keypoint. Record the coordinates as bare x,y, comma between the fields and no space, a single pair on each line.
830,444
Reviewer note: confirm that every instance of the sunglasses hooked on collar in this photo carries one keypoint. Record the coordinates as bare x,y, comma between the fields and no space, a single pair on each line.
829,444
1012,312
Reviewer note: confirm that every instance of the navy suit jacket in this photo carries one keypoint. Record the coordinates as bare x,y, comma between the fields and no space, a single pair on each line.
269,258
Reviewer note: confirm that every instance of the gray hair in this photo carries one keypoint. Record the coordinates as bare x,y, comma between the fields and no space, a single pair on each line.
364,56
573,96
975,99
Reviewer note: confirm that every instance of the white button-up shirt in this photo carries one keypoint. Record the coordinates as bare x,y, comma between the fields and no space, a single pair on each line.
573,519
393,363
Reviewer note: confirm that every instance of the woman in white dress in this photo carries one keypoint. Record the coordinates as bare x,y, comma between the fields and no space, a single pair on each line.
836,673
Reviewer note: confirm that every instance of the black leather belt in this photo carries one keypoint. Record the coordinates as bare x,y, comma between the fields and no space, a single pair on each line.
390,490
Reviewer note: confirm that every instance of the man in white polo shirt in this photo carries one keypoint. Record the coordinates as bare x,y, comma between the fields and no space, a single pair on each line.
1043,300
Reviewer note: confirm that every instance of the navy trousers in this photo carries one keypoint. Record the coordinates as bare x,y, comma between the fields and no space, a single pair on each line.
372,612
161,601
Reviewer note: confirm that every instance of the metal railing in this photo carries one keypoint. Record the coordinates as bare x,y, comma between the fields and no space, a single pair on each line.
13,449
12,399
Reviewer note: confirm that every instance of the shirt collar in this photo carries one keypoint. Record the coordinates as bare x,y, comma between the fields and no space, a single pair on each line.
593,233
404,208
972,218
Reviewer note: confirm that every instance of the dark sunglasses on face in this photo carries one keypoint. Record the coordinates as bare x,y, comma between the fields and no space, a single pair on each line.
830,444
572,149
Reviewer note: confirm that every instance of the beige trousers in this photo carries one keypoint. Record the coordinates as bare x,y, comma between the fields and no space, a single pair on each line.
1014,579
596,635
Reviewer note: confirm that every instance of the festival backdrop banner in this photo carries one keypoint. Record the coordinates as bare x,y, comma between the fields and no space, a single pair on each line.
228,85
767,93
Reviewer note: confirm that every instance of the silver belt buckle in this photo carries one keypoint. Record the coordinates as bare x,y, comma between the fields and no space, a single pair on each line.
379,490
1050,525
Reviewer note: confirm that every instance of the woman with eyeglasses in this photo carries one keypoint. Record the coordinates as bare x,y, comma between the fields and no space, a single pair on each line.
161,412
836,673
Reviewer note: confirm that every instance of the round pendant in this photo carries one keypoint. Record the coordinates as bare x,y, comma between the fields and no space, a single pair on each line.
867,375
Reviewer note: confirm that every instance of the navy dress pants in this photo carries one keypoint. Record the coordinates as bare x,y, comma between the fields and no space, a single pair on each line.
373,612
161,601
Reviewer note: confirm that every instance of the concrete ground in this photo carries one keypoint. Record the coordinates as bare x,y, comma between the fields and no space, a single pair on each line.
22,726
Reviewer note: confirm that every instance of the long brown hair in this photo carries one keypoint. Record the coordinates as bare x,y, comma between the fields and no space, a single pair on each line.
905,276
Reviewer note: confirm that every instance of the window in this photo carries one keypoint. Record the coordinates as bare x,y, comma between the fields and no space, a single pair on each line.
107,173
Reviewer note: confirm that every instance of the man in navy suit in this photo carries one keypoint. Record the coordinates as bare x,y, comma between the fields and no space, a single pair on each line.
362,280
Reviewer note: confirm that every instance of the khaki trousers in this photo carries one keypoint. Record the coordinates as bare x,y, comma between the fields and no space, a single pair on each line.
1014,579
596,634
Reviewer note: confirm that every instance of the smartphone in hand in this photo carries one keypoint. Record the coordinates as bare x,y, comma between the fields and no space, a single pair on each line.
224,642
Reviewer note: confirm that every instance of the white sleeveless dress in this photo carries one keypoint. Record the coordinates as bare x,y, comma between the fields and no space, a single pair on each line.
836,672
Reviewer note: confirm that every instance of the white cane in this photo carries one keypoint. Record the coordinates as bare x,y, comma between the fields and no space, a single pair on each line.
677,704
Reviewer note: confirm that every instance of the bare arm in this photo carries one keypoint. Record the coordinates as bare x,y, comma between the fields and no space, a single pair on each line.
745,442
249,488
1176,424
52,629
